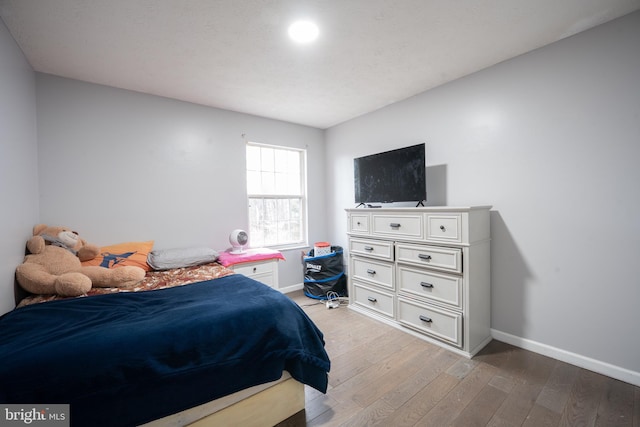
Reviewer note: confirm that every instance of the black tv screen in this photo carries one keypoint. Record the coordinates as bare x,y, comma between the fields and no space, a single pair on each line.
392,176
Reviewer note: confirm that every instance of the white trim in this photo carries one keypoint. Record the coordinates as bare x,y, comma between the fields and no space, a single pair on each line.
598,366
291,288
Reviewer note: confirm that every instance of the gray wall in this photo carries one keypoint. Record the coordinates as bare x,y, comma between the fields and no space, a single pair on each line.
18,161
551,139
117,166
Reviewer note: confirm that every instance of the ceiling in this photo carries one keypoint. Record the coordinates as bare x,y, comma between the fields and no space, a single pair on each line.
236,55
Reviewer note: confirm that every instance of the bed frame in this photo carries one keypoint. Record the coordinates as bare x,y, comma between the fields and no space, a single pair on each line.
262,405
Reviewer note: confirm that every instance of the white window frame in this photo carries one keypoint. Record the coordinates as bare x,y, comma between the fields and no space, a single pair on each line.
303,242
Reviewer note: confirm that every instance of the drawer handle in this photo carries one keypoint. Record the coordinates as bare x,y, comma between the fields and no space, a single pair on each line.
372,299
426,285
426,319
424,257
395,225
369,271
358,223
442,228
368,248
255,269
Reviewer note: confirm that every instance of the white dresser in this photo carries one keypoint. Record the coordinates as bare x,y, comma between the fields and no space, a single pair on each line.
426,270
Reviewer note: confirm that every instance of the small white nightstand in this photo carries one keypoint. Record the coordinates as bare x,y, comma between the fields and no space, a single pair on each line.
260,264
265,271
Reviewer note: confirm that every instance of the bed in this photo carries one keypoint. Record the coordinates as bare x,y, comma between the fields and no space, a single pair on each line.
181,346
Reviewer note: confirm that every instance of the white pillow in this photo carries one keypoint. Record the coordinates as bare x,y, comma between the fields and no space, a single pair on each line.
165,259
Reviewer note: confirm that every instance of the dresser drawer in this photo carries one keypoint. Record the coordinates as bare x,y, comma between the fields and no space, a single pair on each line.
252,269
445,259
435,322
379,273
397,225
372,248
437,287
442,227
374,300
266,278
359,223
262,271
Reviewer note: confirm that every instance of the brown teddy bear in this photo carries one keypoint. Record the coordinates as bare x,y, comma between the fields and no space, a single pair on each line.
54,265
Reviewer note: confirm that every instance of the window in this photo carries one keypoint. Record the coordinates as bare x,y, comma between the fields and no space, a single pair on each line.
276,193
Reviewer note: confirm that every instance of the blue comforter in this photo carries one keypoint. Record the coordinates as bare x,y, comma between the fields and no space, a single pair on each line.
128,358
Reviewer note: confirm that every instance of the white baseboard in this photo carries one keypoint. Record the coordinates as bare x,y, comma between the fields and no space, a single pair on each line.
291,288
598,366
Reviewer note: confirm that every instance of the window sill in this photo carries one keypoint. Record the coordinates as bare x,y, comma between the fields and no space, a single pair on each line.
289,247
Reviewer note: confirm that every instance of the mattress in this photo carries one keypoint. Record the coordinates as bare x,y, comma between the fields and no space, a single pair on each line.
125,358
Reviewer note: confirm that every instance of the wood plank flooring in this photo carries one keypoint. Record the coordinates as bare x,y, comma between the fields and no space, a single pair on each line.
381,376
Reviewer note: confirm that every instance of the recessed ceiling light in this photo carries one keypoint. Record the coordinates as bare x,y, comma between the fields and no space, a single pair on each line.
303,31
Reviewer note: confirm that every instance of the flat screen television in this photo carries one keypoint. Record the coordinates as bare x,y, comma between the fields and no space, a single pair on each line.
392,176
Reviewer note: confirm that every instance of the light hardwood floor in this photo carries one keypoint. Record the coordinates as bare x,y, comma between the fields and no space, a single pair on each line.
381,376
